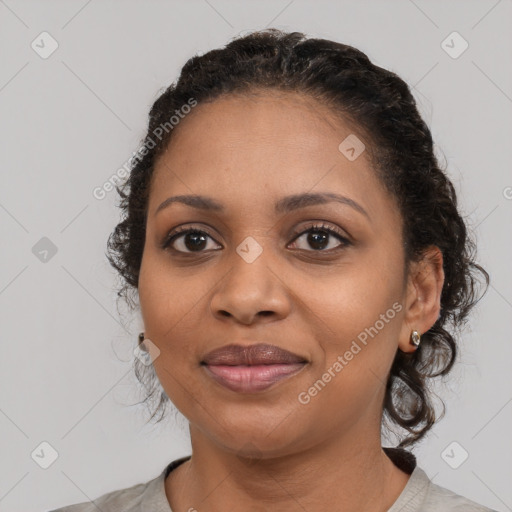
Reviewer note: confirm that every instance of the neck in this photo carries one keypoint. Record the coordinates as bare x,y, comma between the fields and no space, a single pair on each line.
347,474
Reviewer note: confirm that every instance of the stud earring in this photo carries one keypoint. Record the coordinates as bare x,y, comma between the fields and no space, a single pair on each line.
415,338
141,342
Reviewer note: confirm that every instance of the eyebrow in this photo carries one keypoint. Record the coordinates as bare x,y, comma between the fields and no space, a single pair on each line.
284,205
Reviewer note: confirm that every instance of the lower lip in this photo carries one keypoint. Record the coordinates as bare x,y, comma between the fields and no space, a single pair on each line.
249,379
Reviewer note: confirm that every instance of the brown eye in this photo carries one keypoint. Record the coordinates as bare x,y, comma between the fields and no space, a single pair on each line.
321,239
188,241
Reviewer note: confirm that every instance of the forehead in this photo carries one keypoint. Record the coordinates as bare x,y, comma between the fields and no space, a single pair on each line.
261,146
261,120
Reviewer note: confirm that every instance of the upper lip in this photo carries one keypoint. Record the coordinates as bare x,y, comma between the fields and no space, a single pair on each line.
257,354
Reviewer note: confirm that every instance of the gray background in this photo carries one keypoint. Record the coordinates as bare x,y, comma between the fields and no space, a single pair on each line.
71,120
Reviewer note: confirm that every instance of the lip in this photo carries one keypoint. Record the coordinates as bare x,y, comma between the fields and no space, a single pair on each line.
257,354
253,368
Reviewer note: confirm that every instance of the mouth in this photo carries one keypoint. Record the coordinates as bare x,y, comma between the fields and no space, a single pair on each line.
251,368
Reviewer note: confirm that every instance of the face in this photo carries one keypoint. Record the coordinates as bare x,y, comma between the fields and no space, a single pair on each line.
321,277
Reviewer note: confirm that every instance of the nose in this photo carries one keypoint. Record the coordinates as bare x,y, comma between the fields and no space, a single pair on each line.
251,292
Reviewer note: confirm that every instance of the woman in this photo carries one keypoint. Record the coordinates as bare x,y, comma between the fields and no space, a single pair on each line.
300,264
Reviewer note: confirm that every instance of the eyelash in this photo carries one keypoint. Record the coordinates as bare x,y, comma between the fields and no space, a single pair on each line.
180,231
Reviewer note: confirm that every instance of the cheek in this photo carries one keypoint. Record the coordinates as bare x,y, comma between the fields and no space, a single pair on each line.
164,300
153,296
349,378
174,307
354,298
358,315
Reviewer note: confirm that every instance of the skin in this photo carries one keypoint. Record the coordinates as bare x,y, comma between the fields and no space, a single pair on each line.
268,451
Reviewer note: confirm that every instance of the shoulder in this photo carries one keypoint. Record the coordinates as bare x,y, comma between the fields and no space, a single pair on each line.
125,500
144,496
421,494
439,498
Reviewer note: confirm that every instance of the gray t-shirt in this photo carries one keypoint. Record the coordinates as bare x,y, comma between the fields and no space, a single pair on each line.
419,494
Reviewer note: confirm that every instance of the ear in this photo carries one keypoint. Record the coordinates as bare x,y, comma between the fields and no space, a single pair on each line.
423,296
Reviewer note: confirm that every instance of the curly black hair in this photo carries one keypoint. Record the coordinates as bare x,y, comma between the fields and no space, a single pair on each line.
381,107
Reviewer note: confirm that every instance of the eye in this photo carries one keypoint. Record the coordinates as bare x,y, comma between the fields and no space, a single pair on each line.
320,238
188,240
194,240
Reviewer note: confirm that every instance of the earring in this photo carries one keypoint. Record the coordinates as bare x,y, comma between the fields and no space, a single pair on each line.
141,342
415,338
